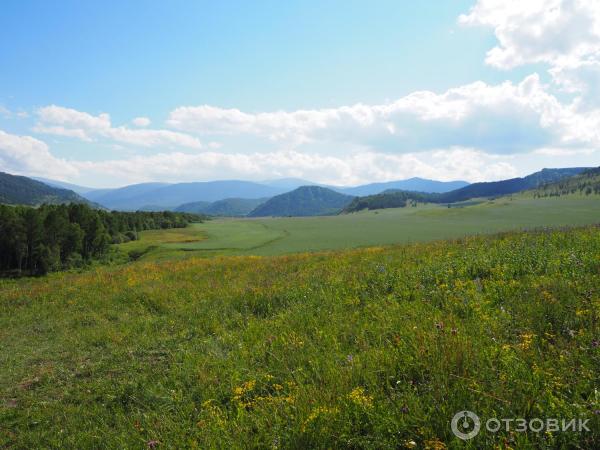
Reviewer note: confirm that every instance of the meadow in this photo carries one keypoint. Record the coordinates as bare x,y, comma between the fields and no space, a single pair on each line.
368,348
278,236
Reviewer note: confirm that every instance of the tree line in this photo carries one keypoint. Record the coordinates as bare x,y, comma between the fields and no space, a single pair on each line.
35,241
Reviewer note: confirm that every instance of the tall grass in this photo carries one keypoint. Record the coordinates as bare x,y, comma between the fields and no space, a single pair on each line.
372,348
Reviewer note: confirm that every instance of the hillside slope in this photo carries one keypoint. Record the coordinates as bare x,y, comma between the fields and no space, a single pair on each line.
19,190
81,190
395,198
587,183
304,201
228,207
511,186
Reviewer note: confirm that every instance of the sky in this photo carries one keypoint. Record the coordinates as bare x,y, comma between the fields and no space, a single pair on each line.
105,94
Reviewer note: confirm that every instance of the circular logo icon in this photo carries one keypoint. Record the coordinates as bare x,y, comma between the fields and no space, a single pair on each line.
465,425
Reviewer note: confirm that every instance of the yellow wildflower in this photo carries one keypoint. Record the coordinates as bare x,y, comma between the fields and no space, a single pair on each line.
358,397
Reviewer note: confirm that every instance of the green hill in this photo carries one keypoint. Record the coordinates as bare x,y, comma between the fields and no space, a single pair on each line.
586,183
304,201
18,190
229,207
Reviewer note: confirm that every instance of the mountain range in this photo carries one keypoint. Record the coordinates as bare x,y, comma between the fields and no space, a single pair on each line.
283,197
160,196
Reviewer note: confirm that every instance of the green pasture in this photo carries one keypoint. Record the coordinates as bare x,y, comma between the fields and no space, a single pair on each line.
276,236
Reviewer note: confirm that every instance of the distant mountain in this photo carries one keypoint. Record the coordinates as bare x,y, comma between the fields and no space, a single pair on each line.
395,198
304,201
172,195
411,184
228,207
125,197
64,185
511,186
18,190
160,196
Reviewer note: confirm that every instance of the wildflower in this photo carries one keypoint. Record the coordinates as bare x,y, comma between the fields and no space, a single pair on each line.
319,411
526,340
435,444
595,343
409,444
350,358
358,397
404,409
152,444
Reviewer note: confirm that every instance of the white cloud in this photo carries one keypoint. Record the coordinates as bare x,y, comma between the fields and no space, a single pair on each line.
30,156
538,31
69,122
564,34
141,121
361,167
504,118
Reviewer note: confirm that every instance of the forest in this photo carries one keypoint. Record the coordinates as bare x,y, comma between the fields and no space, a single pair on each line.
34,241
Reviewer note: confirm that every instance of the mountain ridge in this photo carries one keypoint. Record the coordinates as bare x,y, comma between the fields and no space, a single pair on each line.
21,190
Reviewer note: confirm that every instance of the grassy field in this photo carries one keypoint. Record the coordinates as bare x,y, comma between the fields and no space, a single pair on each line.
371,348
277,236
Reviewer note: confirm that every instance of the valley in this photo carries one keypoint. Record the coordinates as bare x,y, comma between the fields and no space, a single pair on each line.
426,222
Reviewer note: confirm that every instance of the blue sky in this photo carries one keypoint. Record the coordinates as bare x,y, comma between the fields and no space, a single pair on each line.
65,63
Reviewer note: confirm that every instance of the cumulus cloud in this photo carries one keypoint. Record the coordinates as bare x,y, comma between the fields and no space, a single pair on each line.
360,167
27,155
538,31
505,118
69,122
564,34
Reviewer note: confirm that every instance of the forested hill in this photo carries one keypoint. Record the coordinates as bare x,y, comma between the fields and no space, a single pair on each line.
399,199
511,186
587,183
304,201
18,190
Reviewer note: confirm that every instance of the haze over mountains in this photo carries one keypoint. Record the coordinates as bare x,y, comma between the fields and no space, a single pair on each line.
171,196
284,197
